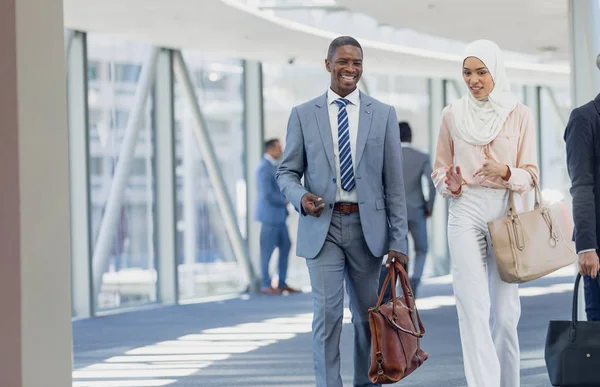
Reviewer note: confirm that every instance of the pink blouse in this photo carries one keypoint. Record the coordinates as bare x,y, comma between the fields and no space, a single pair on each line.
514,146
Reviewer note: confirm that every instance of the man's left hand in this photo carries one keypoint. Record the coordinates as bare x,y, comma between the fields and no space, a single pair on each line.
396,256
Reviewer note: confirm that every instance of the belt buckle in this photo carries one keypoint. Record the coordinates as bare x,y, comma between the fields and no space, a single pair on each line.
345,208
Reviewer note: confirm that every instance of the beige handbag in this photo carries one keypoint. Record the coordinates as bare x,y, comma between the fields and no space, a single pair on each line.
534,243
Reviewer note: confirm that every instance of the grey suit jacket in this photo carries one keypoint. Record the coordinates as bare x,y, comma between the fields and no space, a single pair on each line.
270,202
378,174
416,165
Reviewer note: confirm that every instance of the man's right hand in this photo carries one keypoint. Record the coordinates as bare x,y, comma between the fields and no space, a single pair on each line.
589,264
309,204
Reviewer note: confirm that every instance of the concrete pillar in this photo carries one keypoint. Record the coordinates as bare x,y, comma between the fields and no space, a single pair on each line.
584,18
253,150
35,264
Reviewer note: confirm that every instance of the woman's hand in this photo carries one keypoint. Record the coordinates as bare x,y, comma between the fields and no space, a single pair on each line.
491,168
454,179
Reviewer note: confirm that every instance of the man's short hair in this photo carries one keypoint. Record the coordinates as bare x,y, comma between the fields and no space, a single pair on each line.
339,42
405,132
271,143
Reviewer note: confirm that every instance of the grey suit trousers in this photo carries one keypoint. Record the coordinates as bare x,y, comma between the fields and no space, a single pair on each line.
344,256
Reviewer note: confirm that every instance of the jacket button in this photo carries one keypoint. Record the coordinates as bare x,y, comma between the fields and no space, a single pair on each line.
334,180
330,205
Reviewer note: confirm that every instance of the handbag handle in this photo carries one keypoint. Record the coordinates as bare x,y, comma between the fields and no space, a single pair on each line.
396,269
538,195
574,318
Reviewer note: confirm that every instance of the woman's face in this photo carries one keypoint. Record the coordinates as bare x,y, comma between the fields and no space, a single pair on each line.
477,77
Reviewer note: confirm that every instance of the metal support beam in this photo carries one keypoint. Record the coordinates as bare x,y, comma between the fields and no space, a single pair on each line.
189,164
121,174
439,221
77,105
253,150
166,184
69,36
214,170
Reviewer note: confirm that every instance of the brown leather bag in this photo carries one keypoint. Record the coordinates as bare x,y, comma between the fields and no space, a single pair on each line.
396,331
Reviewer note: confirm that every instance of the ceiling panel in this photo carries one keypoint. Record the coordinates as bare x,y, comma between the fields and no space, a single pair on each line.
532,26
231,29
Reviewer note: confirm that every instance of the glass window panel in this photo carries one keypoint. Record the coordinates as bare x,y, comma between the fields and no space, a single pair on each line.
125,72
93,71
286,85
554,176
139,168
121,117
206,263
96,165
410,97
129,276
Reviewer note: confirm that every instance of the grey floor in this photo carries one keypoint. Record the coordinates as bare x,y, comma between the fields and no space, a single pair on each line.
265,341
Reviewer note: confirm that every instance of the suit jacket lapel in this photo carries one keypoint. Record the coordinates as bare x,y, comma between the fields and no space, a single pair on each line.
364,126
322,116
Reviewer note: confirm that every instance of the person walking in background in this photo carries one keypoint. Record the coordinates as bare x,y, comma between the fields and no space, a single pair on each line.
346,147
486,147
416,166
582,138
271,212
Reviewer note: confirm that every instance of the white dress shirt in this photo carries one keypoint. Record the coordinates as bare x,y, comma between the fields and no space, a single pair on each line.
585,251
352,109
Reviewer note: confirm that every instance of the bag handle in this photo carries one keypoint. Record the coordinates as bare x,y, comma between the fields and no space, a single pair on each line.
538,195
574,318
396,269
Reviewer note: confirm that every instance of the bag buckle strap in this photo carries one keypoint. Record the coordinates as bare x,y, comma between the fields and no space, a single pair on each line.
379,360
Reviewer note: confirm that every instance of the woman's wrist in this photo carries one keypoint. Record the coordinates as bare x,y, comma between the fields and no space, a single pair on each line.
506,174
457,192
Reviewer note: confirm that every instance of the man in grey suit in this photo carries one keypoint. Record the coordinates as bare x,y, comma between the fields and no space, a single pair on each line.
346,146
271,212
416,166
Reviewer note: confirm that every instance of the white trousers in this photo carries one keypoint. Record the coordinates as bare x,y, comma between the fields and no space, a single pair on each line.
488,308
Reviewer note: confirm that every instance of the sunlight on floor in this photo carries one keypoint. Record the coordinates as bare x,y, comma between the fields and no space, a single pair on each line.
147,366
166,362
429,303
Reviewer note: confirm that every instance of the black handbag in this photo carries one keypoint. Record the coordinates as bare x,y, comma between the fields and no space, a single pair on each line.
572,350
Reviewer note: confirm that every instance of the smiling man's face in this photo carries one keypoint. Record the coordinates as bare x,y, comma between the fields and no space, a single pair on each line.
345,67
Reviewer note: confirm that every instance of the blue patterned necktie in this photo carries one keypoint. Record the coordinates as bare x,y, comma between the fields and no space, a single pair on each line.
345,153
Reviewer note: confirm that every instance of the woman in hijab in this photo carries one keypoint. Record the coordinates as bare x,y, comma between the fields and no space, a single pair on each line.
485,147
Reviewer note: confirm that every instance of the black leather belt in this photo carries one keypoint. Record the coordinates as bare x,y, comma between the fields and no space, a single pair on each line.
346,208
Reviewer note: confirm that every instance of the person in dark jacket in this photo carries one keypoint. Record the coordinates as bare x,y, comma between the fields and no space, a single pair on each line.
582,137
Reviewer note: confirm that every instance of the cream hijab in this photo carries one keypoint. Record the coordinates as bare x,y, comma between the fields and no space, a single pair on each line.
479,121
